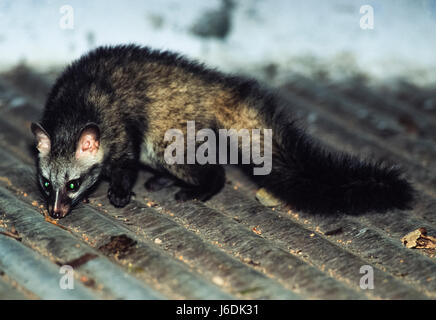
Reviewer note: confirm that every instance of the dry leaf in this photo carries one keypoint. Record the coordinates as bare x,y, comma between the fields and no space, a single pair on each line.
266,198
257,230
419,239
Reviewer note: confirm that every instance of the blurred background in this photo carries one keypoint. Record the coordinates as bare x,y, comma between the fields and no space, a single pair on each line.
338,37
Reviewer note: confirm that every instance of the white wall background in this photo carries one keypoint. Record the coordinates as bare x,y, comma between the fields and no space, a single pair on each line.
294,34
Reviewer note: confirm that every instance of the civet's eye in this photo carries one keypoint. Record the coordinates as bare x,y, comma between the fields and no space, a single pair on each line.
46,184
73,185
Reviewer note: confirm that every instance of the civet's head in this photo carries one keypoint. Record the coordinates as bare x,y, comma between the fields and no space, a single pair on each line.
65,177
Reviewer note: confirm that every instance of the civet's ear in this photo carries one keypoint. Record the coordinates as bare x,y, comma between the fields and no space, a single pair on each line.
42,138
89,141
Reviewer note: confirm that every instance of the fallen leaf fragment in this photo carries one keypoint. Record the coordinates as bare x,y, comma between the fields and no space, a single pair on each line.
419,239
266,198
76,263
334,232
257,230
218,280
7,180
119,246
151,204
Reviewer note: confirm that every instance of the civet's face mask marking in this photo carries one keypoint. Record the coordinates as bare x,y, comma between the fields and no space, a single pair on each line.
65,179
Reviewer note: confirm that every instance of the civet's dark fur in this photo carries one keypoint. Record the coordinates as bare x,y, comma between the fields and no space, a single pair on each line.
132,95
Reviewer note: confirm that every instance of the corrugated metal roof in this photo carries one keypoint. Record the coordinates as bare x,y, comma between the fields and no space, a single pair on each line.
230,246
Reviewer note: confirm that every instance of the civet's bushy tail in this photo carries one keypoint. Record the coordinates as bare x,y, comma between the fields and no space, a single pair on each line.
314,180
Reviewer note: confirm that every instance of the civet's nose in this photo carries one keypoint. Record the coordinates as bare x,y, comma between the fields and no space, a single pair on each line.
56,214
60,208
59,211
